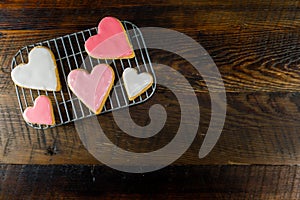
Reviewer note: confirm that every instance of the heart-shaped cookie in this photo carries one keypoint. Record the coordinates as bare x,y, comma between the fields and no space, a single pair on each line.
111,42
41,112
92,89
136,84
39,73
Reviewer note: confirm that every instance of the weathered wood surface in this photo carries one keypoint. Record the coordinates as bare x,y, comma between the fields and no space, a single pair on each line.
255,45
192,182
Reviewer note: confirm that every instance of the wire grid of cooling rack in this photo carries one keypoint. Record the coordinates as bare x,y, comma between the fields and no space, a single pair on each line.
70,54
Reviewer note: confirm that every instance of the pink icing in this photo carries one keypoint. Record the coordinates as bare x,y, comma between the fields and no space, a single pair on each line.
41,112
110,42
92,88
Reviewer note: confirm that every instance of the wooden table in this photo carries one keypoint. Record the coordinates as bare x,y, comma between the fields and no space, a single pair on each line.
255,45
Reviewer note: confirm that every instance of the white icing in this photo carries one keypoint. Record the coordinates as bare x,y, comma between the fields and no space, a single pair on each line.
39,73
136,83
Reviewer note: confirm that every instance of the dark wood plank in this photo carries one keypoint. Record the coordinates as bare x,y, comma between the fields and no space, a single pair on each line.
194,182
258,130
129,3
254,65
91,4
218,16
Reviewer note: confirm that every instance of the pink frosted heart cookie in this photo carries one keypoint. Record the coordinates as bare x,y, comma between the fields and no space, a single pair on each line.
111,42
39,73
136,84
92,89
41,112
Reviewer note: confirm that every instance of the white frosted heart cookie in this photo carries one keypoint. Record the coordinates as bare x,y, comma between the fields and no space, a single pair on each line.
39,73
136,84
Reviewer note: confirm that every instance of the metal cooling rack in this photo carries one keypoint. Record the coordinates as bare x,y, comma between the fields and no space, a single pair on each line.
70,54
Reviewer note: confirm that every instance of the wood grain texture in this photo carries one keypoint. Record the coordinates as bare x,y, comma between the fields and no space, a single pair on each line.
255,67
201,182
213,17
252,65
266,133
255,45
